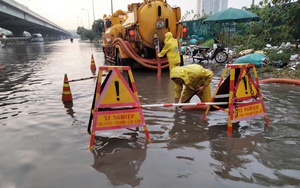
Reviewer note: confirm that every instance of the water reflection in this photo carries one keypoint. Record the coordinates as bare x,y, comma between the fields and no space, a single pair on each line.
119,159
186,131
161,93
69,109
18,66
52,136
233,155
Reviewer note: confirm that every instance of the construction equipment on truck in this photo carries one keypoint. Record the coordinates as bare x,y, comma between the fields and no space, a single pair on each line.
134,37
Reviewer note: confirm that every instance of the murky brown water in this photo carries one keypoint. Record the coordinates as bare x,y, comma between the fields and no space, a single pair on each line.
44,143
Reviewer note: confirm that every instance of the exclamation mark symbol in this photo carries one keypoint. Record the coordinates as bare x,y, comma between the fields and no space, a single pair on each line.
245,84
117,89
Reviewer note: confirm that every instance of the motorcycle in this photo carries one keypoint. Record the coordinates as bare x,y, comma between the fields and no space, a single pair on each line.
218,53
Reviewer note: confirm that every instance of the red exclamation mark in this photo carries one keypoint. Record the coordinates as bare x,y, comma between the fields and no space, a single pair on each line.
117,89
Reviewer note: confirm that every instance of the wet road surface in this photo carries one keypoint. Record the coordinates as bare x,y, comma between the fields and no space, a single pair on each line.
44,143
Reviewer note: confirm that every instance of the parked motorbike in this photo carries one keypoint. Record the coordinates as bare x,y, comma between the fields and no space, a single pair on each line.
218,53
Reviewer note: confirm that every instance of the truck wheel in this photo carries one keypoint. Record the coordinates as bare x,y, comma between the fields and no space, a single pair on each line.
104,54
181,60
221,57
119,60
105,59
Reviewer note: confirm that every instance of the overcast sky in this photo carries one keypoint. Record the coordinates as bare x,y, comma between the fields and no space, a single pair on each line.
69,14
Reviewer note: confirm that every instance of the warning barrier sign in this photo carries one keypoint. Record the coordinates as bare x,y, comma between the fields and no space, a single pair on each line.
118,119
246,111
116,92
245,100
245,86
115,104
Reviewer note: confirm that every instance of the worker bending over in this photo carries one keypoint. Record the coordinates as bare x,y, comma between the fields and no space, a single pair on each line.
193,79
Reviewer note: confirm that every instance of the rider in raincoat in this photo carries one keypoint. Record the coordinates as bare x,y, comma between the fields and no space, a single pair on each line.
195,78
172,51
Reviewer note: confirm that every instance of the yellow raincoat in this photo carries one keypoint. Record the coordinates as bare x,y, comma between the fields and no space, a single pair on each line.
194,76
172,51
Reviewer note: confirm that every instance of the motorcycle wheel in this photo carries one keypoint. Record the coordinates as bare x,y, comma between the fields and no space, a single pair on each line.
221,57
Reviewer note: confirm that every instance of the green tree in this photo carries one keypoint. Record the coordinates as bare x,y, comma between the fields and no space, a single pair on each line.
80,31
86,34
280,22
98,27
90,34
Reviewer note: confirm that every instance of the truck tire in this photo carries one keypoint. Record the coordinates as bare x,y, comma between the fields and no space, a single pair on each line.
119,61
105,59
181,60
221,57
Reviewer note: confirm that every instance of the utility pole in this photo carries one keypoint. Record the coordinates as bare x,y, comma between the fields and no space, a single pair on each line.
111,5
88,17
93,10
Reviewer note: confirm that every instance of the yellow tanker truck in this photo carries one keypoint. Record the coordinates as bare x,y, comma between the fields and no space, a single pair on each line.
134,37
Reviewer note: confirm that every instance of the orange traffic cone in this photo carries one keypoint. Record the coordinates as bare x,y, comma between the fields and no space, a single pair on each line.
66,92
93,66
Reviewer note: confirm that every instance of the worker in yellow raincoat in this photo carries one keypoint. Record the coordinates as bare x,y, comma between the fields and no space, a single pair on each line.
189,80
172,51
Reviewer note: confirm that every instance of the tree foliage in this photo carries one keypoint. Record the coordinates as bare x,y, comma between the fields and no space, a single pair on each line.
280,22
85,33
98,27
94,34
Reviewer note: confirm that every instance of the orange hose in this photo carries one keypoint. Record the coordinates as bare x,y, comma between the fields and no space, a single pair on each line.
129,51
280,80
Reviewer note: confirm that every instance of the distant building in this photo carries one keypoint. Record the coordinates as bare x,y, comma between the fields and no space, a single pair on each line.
211,6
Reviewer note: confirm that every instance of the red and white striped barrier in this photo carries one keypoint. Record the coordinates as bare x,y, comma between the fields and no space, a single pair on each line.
80,79
183,104
176,104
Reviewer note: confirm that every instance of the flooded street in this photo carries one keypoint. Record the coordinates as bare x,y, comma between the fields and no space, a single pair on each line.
45,144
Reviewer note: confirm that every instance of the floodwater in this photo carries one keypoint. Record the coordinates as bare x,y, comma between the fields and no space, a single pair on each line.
45,144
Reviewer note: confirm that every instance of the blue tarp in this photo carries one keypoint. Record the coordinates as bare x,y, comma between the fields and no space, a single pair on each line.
259,60
193,41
